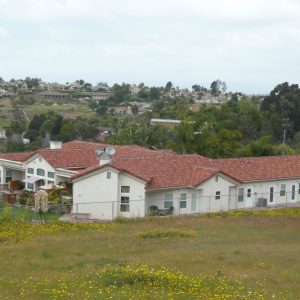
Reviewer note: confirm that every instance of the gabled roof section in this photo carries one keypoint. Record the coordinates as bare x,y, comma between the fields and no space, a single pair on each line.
17,157
163,171
78,155
69,158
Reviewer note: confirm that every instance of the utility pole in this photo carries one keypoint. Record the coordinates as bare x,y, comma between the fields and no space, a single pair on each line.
285,123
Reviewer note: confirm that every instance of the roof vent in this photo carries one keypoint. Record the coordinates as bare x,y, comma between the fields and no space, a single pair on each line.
55,145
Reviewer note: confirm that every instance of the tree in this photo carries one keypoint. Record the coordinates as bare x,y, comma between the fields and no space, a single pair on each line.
282,105
32,82
135,109
143,93
121,92
168,86
154,93
196,88
67,132
102,110
217,87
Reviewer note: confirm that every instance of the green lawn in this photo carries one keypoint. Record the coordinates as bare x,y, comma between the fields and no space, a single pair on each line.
228,256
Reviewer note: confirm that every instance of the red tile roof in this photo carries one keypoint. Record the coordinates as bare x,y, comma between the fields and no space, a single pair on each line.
69,158
163,171
18,157
166,171
81,155
260,168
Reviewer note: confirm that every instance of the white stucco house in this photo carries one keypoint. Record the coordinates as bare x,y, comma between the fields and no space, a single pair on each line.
128,187
134,179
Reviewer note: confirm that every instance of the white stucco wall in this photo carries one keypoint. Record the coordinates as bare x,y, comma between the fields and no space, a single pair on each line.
100,197
205,197
136,196
96,195
208,201
262,190
40,163
17,175
157,198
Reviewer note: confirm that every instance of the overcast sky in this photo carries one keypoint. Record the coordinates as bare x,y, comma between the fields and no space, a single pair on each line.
251,44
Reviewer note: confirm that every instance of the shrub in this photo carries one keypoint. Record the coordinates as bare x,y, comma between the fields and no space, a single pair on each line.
164,234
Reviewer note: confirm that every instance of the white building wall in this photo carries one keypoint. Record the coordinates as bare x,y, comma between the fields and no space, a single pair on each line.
97,195
17,175
205,196
40,163
157,198
136,196
208,201
262,190
100,197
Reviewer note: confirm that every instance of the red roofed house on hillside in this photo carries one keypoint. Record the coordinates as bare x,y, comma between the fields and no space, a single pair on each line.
127,180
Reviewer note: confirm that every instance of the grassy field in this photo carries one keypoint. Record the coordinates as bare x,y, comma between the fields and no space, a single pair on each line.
221,256
68,110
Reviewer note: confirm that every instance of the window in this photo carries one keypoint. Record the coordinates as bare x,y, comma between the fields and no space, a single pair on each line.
29,186
108,175
8,175
217,178
182,203
299,188
125,189
271,194
40,182
218,195
241,195
248,193
50,181
124,204
168,200
293,192
50,174
30,170
194,201
282,189
40,172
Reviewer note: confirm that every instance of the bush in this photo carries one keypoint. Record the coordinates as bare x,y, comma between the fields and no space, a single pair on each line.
164,234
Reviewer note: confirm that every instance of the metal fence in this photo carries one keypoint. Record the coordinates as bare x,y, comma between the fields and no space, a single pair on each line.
191,204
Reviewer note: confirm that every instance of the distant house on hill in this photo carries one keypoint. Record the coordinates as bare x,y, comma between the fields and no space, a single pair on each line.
165,122
2,93
54,95
122,110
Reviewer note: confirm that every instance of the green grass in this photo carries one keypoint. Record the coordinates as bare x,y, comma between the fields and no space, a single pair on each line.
245,251
24,214
68,110
163,234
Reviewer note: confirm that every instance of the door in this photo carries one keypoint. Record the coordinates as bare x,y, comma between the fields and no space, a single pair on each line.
232,198
293,193
249,201
271,200
194,203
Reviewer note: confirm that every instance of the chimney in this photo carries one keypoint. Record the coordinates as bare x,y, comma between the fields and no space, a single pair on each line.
104,158
55,145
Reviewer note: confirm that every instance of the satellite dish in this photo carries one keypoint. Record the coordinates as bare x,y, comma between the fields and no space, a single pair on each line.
110,151
99,153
